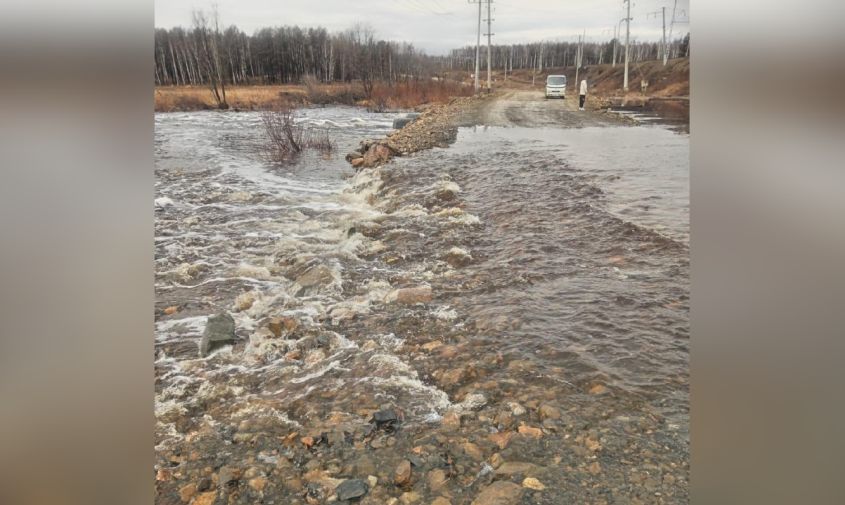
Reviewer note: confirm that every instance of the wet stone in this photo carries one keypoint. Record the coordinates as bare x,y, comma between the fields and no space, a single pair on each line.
351,489
499,493
510,468
313,279
402,475
387,419
219,332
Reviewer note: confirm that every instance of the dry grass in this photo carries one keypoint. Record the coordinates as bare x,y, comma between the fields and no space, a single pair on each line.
183,98
411,93
399,95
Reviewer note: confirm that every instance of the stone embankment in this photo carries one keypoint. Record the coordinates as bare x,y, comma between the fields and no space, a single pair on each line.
435,127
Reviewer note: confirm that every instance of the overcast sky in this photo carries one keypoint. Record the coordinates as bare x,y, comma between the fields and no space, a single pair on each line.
439,25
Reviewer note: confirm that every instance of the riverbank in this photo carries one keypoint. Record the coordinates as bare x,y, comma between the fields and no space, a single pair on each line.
384,96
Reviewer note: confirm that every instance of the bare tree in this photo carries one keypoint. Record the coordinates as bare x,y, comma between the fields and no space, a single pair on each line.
209,55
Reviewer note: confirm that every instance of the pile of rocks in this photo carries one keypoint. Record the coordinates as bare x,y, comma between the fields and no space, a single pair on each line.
435,127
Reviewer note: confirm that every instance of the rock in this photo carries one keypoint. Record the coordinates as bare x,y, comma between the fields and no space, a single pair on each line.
400,122
530,431
516,409
228,474
295,355
447,191
205,498
244,301
532,483
377,154
546,411
354,155
402,475
499,493
496,460
307,441
350,489
386,419
204,484
457,257
509,468
171,310
436,479
473,451
452,418
430,346
409,497
258,483
594,468
187,492
385,416
372,480
282,325
314,278
441,501
357,162
598,389
219,332
411,296
474,401
501,439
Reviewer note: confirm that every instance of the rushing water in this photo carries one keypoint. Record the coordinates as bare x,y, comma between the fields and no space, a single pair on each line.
558,265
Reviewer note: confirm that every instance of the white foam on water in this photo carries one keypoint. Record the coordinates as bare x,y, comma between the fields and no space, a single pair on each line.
444,313
164,202
313,375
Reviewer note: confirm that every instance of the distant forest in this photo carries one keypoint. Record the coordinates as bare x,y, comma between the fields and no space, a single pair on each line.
205,54
542,55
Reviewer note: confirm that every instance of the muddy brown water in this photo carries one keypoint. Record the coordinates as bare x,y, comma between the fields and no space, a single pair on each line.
554,344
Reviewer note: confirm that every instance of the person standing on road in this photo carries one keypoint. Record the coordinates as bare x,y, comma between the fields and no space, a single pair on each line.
583,94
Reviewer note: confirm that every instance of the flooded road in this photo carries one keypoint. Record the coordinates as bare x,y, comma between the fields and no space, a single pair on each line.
513,307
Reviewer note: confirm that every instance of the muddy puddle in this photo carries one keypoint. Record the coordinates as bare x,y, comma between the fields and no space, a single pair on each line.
512,309
673,113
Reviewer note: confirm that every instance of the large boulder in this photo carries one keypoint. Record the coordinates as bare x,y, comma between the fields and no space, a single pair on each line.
219,332
377,154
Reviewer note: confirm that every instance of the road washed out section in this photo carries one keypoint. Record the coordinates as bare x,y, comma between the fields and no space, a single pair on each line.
505,319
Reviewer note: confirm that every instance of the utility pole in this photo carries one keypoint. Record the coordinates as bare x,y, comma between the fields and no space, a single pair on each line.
627,43
477,45
489,58
579,54
615,43
672,26
665,52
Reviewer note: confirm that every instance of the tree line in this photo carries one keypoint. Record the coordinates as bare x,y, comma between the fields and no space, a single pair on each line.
207,55
540,55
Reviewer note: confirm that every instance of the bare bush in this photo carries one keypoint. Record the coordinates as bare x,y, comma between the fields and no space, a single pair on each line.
286,139
320,140
284,136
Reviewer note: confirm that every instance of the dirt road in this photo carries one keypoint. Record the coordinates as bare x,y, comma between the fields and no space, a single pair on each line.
530,108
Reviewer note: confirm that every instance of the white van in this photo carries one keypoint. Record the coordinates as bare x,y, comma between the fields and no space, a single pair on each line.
556,86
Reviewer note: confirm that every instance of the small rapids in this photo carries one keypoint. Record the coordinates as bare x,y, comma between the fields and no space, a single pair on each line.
520,298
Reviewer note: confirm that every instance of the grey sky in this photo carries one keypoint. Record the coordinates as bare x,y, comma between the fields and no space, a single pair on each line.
439,25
